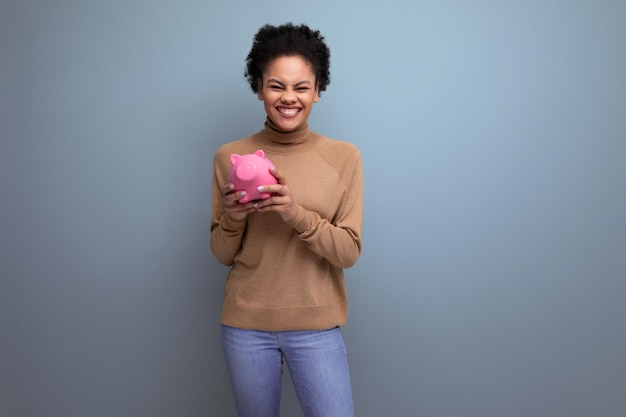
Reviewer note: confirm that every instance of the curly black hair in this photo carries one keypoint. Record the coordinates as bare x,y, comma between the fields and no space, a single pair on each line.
272,42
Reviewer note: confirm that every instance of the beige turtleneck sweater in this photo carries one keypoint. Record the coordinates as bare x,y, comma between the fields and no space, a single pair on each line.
290,276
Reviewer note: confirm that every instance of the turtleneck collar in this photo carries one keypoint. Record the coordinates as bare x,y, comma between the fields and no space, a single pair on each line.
275,134
276,141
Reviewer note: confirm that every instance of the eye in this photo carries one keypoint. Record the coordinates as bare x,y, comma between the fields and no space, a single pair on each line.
275,87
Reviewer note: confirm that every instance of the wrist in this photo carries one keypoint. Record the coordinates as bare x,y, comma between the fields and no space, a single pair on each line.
234,221
300,220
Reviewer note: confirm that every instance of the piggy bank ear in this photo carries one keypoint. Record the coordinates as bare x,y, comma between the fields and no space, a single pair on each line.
234,158
260,153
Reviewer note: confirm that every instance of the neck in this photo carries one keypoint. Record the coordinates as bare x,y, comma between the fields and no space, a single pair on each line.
277,135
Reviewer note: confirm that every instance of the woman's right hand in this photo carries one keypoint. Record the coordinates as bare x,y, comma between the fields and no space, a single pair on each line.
236,210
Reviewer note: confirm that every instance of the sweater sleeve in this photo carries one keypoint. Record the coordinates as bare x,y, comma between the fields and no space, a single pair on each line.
337,240
226,233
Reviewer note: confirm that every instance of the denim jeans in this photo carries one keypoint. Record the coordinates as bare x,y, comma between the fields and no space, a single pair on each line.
317,362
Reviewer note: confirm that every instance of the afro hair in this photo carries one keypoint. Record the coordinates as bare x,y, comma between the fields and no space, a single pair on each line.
272,42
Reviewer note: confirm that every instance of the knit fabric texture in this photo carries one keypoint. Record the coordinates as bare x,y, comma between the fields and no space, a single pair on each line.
290,276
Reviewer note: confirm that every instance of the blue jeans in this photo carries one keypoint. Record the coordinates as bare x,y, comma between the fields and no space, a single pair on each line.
317,362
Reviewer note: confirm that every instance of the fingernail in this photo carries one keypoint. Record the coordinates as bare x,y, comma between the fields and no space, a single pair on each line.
243,194
260,188
231,187
255,205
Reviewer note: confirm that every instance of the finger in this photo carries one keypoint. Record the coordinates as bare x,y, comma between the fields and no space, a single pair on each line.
228,188
237,209
278,175
237,196
275,189
243,209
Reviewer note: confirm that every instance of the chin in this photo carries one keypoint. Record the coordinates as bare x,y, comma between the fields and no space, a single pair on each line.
287,125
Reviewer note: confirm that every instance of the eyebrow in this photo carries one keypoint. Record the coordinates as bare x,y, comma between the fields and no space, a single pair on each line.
299,83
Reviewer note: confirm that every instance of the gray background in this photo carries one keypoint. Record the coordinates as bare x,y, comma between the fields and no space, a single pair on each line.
493,136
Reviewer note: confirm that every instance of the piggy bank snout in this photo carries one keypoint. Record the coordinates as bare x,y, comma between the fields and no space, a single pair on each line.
246,171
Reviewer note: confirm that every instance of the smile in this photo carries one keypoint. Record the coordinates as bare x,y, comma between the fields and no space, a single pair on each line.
288,111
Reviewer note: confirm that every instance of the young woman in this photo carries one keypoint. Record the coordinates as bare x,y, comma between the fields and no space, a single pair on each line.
285,296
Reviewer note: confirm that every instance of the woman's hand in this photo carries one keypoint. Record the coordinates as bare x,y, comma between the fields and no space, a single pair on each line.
236,210
281,201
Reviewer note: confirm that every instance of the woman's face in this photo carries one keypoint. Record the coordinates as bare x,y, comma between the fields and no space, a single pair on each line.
288,91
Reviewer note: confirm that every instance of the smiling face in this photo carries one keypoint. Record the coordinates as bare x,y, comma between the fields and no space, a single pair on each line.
288,91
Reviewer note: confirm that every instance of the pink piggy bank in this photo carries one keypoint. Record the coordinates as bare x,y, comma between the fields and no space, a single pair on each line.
248,172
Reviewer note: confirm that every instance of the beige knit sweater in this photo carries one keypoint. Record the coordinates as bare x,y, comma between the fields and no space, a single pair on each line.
290,276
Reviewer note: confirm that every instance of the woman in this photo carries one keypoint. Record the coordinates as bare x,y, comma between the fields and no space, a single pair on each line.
285,296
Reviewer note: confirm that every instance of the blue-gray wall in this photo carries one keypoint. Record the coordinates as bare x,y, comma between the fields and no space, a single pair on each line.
493,133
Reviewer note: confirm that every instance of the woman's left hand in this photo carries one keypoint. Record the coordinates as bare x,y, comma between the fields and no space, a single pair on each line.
281,201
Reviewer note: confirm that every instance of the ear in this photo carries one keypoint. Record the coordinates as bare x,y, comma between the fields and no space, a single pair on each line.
316,97
234,158
260,153
259,88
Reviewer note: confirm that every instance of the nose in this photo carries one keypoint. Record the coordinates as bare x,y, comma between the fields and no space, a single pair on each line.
288,97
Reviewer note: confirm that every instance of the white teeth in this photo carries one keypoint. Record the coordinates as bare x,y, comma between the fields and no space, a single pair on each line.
289,112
